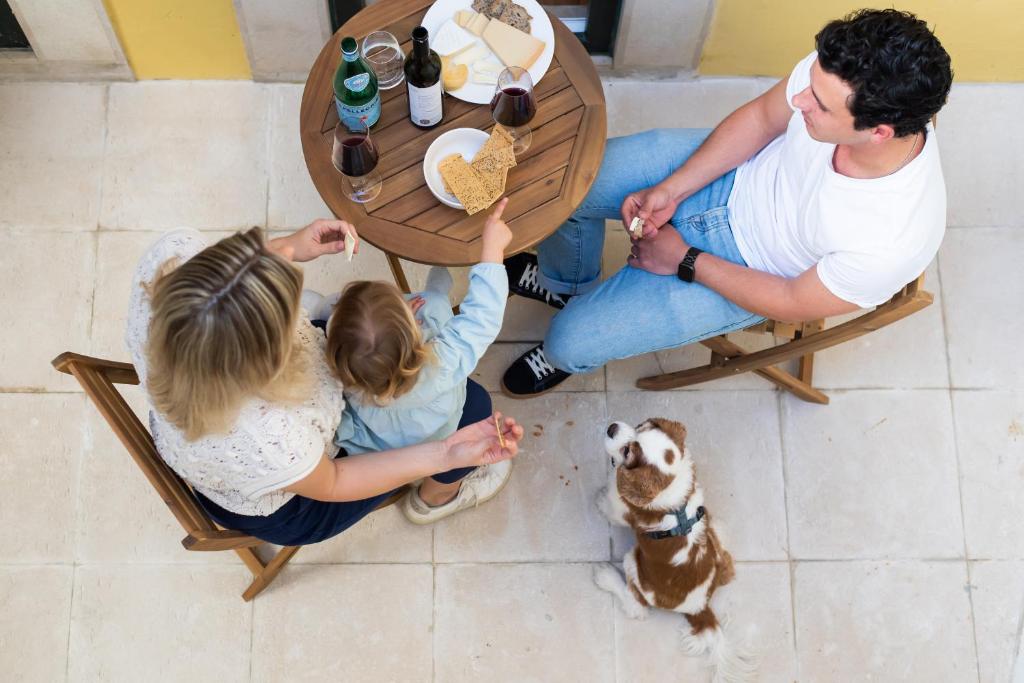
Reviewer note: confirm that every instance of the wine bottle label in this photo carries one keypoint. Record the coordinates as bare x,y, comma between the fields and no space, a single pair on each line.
425,104
358,82
368,112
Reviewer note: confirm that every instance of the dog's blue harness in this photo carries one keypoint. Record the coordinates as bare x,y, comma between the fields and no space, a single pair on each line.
683,525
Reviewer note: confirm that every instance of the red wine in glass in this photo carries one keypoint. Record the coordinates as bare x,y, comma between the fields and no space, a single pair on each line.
355,155
358,155
513,107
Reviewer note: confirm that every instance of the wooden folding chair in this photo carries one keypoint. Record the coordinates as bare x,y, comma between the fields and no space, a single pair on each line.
728,358
97,377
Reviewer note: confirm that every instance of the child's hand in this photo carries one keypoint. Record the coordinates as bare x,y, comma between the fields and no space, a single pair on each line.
416,303
496,235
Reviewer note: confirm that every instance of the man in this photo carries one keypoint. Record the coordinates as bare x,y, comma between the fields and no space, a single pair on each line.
821,196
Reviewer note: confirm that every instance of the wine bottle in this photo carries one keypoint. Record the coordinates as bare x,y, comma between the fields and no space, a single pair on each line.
423,76
355,87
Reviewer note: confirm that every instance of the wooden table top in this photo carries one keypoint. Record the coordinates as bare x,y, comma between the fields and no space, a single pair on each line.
549,181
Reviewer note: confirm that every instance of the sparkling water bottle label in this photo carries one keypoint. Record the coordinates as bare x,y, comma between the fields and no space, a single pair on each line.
425,104
369,112
358,82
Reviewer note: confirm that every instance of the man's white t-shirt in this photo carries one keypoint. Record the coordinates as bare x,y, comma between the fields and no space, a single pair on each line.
789,210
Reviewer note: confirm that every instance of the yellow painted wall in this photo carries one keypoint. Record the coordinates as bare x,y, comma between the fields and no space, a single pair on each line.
985,38
193,39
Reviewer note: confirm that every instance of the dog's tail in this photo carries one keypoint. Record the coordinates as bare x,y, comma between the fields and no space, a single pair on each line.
706,636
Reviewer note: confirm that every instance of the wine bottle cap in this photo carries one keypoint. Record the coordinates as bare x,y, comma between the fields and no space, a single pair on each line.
420,34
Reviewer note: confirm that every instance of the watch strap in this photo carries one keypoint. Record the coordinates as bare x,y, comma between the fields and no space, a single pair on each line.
687,268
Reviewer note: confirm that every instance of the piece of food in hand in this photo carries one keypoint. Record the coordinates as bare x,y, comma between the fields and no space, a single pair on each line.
501,437
453,76
636,227
512,46
350,245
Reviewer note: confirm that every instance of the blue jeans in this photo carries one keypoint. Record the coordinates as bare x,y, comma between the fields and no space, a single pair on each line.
633,311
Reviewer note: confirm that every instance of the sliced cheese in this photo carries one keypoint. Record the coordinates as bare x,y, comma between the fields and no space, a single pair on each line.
488,68
513,47
473,53
464,16
478,24
450,39
484,79
350,245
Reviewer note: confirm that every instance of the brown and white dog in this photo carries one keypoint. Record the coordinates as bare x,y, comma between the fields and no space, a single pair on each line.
678,561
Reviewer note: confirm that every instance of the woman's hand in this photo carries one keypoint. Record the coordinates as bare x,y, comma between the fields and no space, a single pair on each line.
496,236
320,237
655,206
477,444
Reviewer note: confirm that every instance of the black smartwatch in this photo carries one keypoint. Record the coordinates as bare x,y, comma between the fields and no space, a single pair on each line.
687,268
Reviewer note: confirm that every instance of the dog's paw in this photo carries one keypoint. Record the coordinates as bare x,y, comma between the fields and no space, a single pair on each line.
608,578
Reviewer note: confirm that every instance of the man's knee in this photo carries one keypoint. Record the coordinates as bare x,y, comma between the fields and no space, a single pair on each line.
567,346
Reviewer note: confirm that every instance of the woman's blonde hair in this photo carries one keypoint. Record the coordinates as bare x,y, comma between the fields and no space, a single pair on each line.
374,345
222,331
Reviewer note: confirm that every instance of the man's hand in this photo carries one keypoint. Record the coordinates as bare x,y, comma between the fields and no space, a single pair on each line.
655,206
660,253
320,237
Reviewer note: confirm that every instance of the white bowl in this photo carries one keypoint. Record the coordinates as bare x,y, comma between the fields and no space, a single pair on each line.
464,141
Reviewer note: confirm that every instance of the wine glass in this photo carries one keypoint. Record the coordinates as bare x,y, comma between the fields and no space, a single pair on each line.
355,156
513,106
384,55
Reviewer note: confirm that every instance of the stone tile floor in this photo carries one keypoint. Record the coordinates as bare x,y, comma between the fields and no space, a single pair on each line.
878,538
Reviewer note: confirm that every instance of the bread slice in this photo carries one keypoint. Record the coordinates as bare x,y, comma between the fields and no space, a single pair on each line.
512,46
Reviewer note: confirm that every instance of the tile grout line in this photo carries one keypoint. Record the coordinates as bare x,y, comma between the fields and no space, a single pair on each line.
71,614
959,467
268,153
779,398
252,633
433,605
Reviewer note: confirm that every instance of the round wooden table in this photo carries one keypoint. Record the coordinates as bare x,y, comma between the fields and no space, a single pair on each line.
406,220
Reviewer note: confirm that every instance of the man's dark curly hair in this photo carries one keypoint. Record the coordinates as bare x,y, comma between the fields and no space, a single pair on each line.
899,72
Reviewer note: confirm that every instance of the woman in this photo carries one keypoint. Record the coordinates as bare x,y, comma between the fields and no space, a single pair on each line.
244,407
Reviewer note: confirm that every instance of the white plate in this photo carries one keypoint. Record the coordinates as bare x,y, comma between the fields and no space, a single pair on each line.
464,141
540,28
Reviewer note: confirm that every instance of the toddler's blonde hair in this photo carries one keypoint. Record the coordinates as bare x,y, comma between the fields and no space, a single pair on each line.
374,344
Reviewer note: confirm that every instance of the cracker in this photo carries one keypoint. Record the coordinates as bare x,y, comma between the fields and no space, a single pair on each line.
481,183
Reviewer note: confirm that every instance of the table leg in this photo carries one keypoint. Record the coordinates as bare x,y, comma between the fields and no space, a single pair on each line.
398,273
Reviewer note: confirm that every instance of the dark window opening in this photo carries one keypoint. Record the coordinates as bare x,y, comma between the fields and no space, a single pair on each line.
11,35
593,21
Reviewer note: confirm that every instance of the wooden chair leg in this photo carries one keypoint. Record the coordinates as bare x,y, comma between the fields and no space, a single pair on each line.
269,572
763,362
802,389
398,273
805,370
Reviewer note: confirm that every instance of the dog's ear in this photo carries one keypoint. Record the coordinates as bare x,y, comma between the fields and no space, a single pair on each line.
634,456
673,430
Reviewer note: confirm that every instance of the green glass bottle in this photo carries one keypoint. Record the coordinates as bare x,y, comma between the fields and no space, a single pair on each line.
355,87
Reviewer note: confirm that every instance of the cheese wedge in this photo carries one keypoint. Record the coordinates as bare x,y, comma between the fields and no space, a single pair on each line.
513,47
484,79
464,16
450,39
478,24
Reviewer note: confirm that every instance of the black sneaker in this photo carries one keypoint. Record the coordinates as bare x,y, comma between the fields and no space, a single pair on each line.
531,375
522,280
